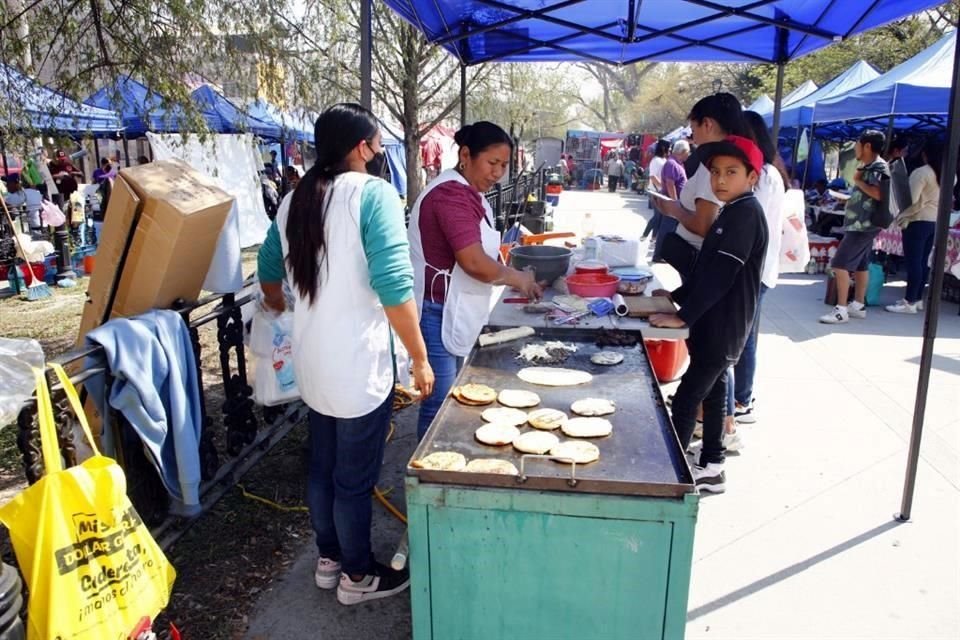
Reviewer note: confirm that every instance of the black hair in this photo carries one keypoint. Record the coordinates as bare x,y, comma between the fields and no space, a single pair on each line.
933,149
662,150
480,136
764,141
103,161
874,138
725,110
899,143
338,130
143,160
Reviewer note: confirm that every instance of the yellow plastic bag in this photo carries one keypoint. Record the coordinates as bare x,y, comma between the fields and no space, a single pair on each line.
90,564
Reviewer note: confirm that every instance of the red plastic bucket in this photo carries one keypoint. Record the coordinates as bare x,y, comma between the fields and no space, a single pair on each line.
667,358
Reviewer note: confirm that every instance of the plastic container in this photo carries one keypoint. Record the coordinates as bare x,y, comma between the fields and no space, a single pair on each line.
633,280
592,266
548,262
88,261
593,285
667,358
586,225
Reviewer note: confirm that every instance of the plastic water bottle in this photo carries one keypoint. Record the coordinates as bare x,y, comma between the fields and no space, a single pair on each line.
586,225
283,358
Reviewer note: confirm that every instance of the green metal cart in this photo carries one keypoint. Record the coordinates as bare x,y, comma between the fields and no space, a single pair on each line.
601,550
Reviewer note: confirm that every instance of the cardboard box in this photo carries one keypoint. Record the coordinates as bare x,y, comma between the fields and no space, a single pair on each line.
158,239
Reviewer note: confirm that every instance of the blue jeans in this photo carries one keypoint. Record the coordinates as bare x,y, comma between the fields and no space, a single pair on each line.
445,365
747,364
345,460
917,244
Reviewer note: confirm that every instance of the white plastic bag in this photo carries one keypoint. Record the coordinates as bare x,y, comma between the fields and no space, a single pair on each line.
795,246
18,359
271,342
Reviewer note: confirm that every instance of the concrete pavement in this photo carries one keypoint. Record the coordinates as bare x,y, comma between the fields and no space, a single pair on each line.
803,544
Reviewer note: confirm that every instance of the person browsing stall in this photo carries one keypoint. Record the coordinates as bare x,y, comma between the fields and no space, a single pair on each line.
853,254
455,250
718,301
340,243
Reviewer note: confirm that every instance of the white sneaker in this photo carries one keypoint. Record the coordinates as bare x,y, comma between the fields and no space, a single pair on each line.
857,310
744,414
902,306
710,478
731,442
327,573
381,583
839,315
920,304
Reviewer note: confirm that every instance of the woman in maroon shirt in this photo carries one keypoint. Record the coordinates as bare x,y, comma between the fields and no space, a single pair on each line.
454,247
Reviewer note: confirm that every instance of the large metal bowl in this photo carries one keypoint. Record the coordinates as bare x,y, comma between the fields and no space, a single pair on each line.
548,262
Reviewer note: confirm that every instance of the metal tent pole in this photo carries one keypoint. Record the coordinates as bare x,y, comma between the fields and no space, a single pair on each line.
889,141
936,286
463,95
126,151
96,151
777,107
366,54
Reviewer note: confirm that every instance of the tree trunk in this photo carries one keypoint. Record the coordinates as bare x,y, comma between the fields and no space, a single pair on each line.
411,142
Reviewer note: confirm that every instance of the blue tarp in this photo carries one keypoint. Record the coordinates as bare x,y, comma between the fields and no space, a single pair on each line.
916,92
52,111
626,31
801,112
294,128
225,117
140,109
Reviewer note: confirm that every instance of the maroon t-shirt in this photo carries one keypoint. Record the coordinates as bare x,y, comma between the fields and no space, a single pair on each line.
450,219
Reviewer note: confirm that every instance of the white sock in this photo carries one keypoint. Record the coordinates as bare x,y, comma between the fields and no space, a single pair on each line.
842,307
857,305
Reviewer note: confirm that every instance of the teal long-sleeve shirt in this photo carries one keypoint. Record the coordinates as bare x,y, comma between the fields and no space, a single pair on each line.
384,240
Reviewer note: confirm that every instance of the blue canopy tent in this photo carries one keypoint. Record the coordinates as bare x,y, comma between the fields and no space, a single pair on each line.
800,92
800,114
772,31
140,108
52,111
396,159
225,117
913,95
761,105
298,129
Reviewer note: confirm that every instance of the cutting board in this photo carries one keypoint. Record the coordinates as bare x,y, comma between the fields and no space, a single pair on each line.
644,306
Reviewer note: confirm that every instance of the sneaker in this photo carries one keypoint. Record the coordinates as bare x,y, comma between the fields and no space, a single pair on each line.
381,583
920,304
732,442
698,429
327,573
744,414
839,315
710,478
857,310
902,306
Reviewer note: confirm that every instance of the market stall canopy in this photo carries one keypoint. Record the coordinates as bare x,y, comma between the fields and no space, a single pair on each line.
800,92
761,105
225,117
628,31
679,132
52,111
801,112
299,128
140,108
915,93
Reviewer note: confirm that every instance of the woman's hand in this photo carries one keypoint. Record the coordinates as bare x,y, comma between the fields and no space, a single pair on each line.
423,378
666,321
526,283
662,293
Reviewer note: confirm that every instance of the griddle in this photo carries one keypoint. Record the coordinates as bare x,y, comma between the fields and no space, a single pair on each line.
642,456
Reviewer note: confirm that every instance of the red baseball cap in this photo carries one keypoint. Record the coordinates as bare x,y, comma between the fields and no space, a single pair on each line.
737,147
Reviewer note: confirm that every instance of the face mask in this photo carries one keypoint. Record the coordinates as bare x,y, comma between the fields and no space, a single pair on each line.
377,166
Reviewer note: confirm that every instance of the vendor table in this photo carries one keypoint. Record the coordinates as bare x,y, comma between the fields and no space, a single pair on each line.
599,550
890,241
513,315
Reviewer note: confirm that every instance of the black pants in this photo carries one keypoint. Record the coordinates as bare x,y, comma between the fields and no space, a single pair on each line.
612,182
652,223
704,382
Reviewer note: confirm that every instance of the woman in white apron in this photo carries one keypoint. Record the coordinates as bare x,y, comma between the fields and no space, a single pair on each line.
455,250
339,241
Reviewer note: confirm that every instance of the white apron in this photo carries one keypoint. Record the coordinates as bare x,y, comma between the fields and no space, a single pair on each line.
468,301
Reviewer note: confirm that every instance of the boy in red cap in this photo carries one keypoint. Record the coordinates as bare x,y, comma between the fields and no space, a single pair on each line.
718,301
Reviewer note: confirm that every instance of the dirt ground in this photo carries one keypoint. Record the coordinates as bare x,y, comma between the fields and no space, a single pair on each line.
229,555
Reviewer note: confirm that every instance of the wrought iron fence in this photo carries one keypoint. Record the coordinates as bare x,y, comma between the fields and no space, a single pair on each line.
229,445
